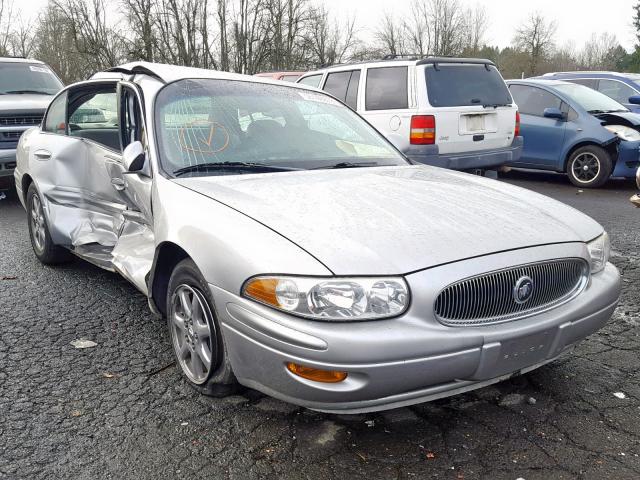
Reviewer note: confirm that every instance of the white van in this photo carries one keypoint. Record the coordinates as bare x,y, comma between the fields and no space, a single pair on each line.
449,112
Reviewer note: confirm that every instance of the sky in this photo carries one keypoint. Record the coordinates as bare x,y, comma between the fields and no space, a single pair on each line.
576,19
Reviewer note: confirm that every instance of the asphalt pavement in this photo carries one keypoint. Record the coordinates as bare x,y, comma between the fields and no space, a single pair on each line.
121,410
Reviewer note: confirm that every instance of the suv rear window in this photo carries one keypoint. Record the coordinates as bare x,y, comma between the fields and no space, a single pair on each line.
386,88
459,85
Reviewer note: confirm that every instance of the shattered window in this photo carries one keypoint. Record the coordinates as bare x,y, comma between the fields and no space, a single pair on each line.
208,122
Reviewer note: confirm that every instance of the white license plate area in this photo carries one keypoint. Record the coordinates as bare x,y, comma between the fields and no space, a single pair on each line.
473,124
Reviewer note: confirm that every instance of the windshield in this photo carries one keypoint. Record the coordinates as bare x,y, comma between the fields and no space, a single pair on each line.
203,124
589,99
27,78
457,85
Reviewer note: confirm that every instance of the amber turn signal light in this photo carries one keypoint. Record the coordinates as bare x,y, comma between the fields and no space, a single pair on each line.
315,374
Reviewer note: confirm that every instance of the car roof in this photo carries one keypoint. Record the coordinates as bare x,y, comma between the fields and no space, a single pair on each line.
170,73
19,60
401,61
538,81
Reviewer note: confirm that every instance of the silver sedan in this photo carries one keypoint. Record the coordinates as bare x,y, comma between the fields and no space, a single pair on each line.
293,250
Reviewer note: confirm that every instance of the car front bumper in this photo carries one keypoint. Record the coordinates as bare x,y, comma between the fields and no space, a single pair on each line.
483,159
7,166
412,358
628,160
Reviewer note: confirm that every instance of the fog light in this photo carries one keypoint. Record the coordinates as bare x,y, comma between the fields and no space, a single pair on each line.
315,374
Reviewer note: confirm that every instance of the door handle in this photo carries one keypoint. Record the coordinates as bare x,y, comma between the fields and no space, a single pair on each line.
42,154
118,183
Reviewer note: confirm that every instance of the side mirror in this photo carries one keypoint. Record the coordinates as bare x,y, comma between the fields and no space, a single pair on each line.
553,113
134,158
634,100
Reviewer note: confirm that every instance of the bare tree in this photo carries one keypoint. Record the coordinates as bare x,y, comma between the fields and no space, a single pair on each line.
391,35
100,44
54,45
7,16
329,41
476,24
140,23
535,37
599,52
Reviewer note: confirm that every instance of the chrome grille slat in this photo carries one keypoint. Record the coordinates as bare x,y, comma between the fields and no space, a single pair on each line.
488,298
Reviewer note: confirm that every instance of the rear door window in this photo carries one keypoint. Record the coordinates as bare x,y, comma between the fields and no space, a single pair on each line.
386,88
344,86
458,85
337,84
617,90
532,100
312,80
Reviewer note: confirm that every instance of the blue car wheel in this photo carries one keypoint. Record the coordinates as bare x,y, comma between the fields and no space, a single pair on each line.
589,167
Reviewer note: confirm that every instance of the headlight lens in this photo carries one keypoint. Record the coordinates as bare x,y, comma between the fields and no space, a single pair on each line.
336,299
599,252
625,133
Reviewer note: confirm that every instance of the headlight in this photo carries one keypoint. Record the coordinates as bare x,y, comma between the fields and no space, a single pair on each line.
331,298
599,252
624,133
638,178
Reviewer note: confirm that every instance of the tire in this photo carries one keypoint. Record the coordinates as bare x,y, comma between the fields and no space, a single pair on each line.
47,252
195,333
589,167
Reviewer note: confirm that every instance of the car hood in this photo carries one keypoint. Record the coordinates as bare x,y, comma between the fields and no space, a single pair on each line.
24,103
394,220
623,118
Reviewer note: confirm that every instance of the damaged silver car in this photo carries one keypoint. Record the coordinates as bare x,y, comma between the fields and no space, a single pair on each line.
293,250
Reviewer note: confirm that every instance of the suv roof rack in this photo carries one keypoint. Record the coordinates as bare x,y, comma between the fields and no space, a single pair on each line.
421,60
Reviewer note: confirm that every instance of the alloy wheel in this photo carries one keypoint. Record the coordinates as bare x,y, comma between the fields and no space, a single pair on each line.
38,226
190,321
585,167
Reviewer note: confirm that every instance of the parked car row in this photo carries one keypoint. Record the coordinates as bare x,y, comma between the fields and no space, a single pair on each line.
294,250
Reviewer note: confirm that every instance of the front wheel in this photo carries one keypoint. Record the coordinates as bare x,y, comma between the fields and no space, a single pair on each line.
589,167
44,248
195,333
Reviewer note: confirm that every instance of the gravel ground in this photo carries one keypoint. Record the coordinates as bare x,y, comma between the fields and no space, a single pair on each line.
121,410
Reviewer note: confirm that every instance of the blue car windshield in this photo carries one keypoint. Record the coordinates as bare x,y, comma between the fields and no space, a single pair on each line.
591,100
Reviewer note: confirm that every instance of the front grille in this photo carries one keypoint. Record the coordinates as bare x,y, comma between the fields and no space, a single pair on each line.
10,135
20,120
491,297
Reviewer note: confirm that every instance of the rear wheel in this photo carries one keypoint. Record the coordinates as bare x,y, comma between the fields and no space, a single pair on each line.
589,167
44,248
195,333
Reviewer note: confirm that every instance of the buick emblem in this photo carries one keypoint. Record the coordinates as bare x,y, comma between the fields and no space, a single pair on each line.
523,290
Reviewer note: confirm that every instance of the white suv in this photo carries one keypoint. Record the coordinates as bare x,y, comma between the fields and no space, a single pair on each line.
448,112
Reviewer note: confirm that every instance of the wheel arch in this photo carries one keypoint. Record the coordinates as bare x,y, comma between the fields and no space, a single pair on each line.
167,256
610,147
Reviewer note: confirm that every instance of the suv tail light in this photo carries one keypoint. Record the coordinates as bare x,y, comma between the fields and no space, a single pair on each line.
423,130
516,131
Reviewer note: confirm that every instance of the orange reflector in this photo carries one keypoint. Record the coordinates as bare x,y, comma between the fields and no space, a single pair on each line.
315,374
263,290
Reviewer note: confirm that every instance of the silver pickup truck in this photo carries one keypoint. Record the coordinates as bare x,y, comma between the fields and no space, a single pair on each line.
26,88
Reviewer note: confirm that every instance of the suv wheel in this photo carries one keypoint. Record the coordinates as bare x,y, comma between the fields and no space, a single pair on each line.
589,167
195,333
44,248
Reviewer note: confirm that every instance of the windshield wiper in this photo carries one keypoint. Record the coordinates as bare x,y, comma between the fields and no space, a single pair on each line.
231,165
347,165
22,92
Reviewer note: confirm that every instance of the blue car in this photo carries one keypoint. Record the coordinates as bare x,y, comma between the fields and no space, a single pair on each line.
574,129
624,88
